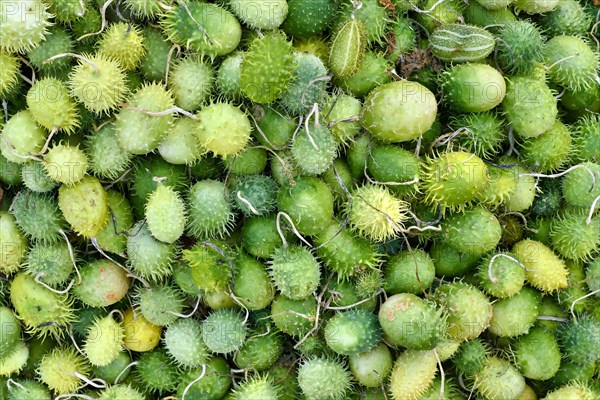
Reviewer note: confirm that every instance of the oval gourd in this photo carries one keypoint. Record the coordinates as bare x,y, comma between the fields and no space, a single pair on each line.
347,48
461,43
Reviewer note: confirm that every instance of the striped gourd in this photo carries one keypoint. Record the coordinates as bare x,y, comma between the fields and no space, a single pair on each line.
347,48
461,43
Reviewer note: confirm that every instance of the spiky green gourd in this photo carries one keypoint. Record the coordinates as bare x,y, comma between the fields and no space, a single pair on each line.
228,77
413,373
307,18
191,81
213,386
545,270
165,214
309,203
160,304
371,368
209,209
475,231
345,253
454,179
122,391
154,63
578,340
586,142
260,352
469,311
10,332
499,380
100,84
568,18
29,390
549,151
396,168
372,72
291,323
156,371
9,77
471,356
267,68
521,197
23,25
147,256
181,146
342,117
352,332
217,34
65,164
251,283
482,133
123,43
210,269
323,379
504,278
183,343
138,132
573,236
573,390
449,262
408,121
224,331
529,118
537,354
143,9
41,310
347,48
571,62
260,236
264,14
10,172
461,43
103,283
579,187
515,315
104,341
295,271
409,272
45,224
21,136
592,274
409,321
375,213
51,263
473,87
57,370
224,129
84,206
308,86
36,179
249,161
314,154
15,362
13,246
106,159
255,195
256,388
515,54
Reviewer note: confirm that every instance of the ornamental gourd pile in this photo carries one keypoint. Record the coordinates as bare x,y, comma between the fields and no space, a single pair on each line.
300,199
